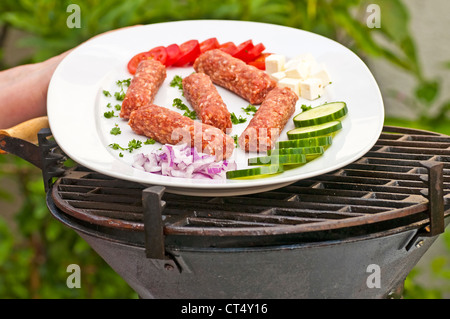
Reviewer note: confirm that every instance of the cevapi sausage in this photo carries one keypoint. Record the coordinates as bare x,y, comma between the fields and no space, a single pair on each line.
150,75
204,98
269,120
169,127
235,75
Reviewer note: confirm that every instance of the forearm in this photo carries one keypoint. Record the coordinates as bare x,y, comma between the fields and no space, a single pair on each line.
23,91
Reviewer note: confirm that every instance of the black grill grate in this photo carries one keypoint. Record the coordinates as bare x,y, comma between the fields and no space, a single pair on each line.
384,187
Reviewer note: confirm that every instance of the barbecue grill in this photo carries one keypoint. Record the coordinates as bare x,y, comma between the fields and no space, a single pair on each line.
322,237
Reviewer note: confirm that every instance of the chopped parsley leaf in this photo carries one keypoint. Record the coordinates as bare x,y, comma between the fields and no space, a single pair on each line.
235,138
149,141
109,114
132,145
123,83
306,107
106,93
177,81
191,114
178,103
236,120
119,95
116,146
115,130
250,109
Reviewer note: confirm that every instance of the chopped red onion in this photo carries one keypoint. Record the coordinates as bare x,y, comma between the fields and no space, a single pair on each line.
182,161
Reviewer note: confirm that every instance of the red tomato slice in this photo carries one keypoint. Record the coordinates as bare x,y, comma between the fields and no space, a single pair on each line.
229,47
134,62
190,50
254,52
243,49
159,54
209,44
260,62
173,54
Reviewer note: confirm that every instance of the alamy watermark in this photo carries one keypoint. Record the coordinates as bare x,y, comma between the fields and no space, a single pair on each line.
374,279
74,279
74,19
373,19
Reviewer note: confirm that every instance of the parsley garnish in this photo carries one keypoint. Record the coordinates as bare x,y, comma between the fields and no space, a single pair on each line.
109,114
177,81
236,120
118,107
116,146
122,85
106,93
250,109
235,138
119,95
115,130
306,107
149,141
181,106
132,145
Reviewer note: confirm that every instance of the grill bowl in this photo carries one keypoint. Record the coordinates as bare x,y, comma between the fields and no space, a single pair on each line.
316,238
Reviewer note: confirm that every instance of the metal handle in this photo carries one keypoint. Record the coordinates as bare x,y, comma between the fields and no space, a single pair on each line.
30,141
26,131
21,140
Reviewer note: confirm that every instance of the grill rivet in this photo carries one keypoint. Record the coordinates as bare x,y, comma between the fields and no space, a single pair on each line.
168,267
419,244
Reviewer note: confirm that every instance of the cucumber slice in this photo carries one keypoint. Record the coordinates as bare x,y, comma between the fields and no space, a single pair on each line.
329,128
321,114
324,141
310,152
296,150
287,159
255,172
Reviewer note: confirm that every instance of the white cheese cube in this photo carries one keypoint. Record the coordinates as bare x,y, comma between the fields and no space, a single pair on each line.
277,76
293,84
275,63
311,88
321,72
306,57
302,58
291,64
300,71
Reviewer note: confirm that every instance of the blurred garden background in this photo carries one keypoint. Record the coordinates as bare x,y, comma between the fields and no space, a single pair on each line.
409,55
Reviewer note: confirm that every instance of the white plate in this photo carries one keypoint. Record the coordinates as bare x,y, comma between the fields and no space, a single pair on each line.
76,102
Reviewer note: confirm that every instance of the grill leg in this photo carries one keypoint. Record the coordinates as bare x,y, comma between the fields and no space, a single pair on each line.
153,223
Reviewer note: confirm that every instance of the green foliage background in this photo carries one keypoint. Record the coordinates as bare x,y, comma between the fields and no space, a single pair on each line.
34,258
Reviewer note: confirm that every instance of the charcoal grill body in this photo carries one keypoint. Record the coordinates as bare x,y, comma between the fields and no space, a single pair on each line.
328,269
331,236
